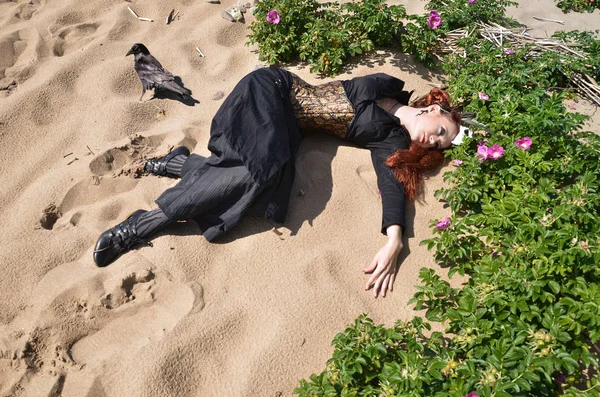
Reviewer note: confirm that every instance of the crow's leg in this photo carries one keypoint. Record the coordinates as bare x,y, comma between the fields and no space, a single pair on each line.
143,92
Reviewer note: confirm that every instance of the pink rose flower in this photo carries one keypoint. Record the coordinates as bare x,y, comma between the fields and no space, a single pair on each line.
524,143
441,225
472,394
495,152
508,51
482,152
483,96
273,17
434,19
472,1
457,162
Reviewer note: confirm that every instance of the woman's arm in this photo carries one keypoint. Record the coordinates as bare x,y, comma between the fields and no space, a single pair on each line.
383,266
393,200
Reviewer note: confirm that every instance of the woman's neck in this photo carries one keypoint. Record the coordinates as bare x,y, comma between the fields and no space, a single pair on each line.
395,107
407,116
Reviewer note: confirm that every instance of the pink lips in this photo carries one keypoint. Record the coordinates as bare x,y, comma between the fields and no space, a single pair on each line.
424,139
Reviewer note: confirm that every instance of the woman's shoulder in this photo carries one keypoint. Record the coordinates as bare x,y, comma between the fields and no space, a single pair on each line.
374,77
373,87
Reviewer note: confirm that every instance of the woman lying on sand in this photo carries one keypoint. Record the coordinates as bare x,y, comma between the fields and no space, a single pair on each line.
254,138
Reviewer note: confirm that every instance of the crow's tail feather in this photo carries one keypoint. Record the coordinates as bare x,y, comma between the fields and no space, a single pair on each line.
176,88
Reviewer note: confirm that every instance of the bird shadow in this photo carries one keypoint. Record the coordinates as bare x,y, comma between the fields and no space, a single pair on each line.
166,94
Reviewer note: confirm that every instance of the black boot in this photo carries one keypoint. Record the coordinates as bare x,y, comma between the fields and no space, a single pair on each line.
117,240
159,166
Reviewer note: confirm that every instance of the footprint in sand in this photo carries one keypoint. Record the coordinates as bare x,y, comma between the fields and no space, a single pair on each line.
104,184
135,285
228,35
20,51
125,160
26,9
73,37
80,319
325,266
128,158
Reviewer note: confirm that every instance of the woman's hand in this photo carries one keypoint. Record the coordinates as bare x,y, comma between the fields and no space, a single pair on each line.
383,266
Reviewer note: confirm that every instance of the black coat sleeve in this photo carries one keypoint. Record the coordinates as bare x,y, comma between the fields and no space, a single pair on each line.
374,87
392,192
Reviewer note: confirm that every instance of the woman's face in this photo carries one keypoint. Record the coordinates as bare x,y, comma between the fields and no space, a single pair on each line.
434,128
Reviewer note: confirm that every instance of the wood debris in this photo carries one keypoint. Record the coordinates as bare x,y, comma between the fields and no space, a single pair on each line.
138,17
133,12
171,16
227,16
513,39
549,20
237,14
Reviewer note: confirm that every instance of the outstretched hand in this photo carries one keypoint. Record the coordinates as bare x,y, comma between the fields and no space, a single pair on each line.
383,266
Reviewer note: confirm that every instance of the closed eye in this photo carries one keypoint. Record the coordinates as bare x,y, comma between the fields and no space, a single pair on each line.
442,131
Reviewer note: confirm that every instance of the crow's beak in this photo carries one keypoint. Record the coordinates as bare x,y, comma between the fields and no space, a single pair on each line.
130,52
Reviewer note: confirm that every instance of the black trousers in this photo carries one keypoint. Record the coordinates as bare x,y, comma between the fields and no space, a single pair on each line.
214,191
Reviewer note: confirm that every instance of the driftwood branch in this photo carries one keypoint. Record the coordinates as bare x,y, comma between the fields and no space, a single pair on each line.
549,20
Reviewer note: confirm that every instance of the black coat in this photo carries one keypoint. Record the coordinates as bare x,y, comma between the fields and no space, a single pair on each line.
256,123
379,131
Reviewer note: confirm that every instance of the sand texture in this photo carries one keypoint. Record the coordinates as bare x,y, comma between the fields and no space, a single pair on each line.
248,315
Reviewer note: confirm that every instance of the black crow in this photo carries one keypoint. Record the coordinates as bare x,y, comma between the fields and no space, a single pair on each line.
152,74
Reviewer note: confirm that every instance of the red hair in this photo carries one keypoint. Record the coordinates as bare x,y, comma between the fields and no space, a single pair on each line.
410,164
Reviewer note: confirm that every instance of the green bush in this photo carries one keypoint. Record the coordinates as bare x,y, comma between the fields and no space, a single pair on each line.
325,35
578,5
524,228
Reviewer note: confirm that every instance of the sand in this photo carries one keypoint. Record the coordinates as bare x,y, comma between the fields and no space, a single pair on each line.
248,315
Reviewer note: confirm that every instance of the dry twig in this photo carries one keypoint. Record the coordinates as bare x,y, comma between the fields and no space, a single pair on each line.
138,17
549,20
133,12
518,38
170,17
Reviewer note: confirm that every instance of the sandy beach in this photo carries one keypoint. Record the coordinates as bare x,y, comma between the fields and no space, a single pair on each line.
247,315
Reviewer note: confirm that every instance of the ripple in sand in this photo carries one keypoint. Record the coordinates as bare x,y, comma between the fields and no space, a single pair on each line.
74,37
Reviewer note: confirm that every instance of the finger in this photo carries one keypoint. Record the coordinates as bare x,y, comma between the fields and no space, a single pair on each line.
392,279
385,285
369,282
377,287
374,276
372,266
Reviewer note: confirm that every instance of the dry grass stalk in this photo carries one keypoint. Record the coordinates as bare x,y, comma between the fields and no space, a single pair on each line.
133,12
518,38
